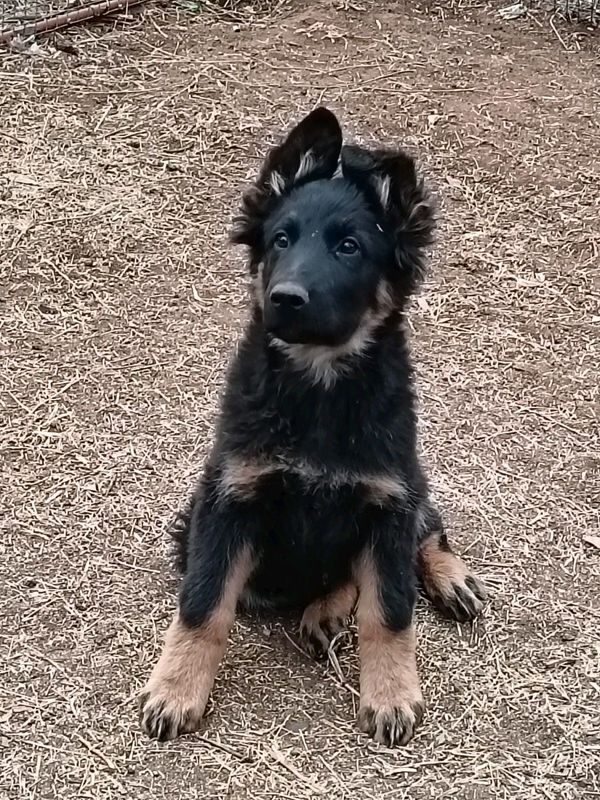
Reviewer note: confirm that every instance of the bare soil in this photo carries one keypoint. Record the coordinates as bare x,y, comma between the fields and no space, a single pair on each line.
120,302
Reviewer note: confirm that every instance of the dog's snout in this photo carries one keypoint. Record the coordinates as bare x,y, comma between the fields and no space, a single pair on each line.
288,296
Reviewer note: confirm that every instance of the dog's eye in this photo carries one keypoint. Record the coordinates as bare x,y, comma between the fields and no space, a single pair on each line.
348,247
281,240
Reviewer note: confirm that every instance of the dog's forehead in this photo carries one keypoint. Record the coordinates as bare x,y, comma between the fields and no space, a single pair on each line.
323,203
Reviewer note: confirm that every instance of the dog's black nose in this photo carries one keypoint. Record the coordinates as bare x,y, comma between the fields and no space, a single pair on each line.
288,296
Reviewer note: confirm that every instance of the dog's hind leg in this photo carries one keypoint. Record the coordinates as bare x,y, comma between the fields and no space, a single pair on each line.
325,618
446,579
220,561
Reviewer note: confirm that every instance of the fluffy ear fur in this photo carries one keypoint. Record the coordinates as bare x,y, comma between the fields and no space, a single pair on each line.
389,179
310,152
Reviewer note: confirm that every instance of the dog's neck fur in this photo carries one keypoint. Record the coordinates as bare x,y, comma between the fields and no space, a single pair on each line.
323,365
368,404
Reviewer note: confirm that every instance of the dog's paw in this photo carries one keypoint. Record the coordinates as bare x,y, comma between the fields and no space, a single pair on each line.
448,583
465,601
325,618
460,597
392,725
317,634
165,714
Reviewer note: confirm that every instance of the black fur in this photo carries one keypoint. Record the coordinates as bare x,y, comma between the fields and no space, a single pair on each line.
313,494
305,532
314,470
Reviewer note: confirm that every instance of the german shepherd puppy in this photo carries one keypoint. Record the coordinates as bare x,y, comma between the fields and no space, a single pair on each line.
313,496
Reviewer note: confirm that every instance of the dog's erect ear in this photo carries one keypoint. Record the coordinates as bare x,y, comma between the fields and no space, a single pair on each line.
389,180
310,152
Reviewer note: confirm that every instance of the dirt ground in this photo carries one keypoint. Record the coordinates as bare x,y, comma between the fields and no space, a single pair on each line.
120,302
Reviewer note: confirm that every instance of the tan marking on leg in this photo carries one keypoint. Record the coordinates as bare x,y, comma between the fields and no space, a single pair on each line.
447,580
174,699
391,703
325,618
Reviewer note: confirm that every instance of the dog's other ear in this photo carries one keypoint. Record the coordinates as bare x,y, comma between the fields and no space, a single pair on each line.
389,180
310,152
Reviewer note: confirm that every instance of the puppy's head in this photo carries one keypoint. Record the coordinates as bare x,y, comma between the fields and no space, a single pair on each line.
333,257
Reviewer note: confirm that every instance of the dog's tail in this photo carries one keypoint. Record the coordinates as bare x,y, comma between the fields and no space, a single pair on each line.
178,529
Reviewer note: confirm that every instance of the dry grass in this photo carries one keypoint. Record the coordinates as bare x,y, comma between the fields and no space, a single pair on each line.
119,304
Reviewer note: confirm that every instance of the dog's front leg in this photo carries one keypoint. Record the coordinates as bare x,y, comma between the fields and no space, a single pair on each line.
391,703
220,561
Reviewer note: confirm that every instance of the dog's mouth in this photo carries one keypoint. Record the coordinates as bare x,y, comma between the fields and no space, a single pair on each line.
324,333
337,344
287,336
296,329
321,325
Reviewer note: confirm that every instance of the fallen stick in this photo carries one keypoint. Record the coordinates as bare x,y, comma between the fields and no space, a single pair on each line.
67,18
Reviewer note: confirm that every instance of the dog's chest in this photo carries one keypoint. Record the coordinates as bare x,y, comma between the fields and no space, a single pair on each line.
277,477
310,534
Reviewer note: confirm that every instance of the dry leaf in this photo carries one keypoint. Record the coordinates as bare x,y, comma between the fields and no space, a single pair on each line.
593,540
